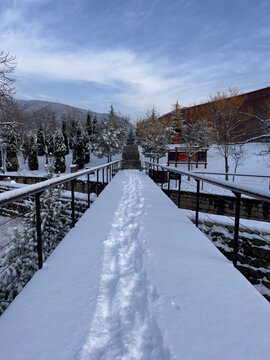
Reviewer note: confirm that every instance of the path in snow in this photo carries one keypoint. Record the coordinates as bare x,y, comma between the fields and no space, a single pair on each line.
123,326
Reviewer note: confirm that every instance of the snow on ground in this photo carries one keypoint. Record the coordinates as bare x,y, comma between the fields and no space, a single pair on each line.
253,165
24,170
135,279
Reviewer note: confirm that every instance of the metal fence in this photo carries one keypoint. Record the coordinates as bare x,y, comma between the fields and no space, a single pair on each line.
103,174
164,174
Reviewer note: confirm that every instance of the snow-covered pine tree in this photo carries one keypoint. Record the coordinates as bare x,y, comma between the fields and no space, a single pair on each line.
19,262
65,134
40,141
59,152
131,138
78,149
9,131
12,163
110,137
32,157
25,147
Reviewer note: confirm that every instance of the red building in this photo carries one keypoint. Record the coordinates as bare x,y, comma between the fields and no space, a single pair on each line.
178,155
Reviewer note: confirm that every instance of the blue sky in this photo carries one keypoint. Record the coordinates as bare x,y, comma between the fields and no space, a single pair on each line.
135,53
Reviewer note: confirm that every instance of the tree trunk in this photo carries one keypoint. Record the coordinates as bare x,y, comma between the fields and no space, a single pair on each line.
226,168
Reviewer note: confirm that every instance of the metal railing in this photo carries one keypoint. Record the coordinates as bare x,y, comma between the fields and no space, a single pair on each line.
8,197
171,173
236,175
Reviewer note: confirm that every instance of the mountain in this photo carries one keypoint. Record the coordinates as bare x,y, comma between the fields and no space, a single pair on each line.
31,106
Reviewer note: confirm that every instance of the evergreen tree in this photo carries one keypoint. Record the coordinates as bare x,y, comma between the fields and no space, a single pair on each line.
94,125
110,138
19,263
25,147
59,152
131,138
89,124
78,152
32,158
40,141
65,134
12,163
9,133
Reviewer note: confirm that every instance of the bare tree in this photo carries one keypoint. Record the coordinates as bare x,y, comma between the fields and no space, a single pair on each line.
227,121
239,156
7,89
193,129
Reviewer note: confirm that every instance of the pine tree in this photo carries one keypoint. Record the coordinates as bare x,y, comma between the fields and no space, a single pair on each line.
19,263
40,141
12,163
9,133
110,137
78,153
131,138
65,134
89,124
25,147
59,152
32,158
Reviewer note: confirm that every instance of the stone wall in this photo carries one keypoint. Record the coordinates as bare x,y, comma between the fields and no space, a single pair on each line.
222,205
253,255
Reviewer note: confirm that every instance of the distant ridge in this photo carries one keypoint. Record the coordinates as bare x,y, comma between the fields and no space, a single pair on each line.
31,106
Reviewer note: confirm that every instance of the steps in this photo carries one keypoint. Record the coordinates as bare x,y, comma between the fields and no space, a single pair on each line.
131,158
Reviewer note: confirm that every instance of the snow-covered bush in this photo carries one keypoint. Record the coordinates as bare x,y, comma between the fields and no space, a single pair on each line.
19,261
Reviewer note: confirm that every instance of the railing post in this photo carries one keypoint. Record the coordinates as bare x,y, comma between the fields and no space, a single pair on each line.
88,190
107,171
38,229
236,227
169,183
72,204
97,191
197,202
179,191
110,172
103,176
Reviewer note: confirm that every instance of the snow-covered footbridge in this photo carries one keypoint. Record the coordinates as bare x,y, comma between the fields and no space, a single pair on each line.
135,279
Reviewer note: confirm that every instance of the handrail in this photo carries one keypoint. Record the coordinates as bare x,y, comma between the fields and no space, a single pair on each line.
16,194
243,189
231,174
236,189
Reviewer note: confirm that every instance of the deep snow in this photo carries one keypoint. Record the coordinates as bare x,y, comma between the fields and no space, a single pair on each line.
136,280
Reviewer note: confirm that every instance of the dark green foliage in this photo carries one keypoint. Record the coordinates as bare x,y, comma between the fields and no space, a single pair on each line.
79,146
65,134
40,141
131,138
33,150
11,154
59,152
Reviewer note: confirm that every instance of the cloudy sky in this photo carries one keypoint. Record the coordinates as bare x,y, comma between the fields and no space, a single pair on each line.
135,53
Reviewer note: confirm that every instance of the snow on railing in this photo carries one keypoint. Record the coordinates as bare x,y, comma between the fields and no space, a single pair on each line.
237,190
11,252
10,196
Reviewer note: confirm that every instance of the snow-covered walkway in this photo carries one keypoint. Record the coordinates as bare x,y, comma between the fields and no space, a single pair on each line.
136,280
